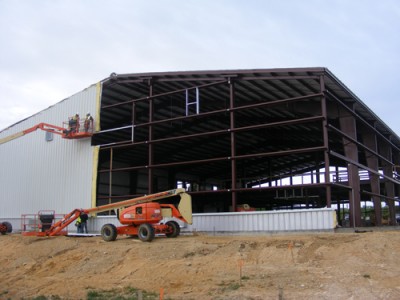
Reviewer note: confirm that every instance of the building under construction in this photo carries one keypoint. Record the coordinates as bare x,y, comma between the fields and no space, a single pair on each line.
265,139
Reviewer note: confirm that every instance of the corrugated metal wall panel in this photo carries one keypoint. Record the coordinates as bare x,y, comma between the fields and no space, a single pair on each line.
247,222
36,174
268,221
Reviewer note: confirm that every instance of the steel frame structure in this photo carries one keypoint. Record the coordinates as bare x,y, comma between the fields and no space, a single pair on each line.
246,138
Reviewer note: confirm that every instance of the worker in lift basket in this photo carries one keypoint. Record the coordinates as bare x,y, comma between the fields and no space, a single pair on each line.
73,123
88,122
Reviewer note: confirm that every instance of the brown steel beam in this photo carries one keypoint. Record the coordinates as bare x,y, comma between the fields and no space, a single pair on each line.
307,185
110,176
257,105
366,148
250,106
366,123
348,125
380,196
223,73
254,190
386,150
272,103
216,132
266,78
133,121
361,166
258,89
233,142
326,141
227,158
373,163
150,146
163,94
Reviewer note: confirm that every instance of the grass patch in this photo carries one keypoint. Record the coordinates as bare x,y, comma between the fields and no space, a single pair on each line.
42,297
189,254
128,293
229,286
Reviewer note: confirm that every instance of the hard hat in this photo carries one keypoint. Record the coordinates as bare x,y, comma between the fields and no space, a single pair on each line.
88,114
77,114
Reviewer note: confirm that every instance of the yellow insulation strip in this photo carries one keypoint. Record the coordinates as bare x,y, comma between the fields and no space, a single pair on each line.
11,137
98,99
96,150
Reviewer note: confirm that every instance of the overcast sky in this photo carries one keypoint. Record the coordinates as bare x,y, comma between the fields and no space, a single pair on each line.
52,49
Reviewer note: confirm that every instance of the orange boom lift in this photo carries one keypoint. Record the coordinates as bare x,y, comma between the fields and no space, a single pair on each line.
140,217
66,132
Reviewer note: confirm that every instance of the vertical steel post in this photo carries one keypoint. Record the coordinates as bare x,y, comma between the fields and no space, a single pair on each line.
196,102
133,121
349,127
324,111
150,148
386,151
233,142
370,140
110,176
187,102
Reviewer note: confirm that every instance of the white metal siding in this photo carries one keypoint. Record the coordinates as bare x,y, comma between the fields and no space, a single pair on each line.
240,222
39,175
267,221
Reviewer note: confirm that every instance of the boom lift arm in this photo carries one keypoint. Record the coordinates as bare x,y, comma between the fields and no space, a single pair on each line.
63,131
183,213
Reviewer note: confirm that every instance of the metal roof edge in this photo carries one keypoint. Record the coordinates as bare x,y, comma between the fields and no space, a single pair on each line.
215,72
352,95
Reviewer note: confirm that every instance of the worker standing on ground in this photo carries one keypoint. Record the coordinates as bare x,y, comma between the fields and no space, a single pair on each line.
83,217
78,225
88,122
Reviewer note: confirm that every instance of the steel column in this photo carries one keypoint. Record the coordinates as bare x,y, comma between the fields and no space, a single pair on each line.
133,121
370,141
348,126
386,151
233,143
150,145
326,142
110,176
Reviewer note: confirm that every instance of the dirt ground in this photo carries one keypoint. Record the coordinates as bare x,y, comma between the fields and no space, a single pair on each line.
313,266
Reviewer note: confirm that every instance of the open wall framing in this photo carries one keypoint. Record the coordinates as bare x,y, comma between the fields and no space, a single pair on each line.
272,139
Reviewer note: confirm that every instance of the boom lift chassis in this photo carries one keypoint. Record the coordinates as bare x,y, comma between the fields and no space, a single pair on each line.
140,216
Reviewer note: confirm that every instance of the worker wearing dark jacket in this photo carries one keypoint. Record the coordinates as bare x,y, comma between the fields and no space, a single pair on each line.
84,217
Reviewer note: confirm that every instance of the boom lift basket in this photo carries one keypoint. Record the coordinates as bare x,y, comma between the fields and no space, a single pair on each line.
38,224
46,218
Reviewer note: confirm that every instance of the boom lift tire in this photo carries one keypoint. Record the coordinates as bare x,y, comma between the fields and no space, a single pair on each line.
176,229
109,232
6,228
146,232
